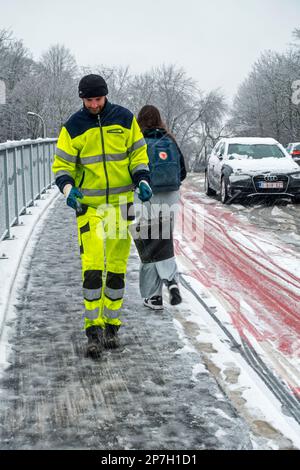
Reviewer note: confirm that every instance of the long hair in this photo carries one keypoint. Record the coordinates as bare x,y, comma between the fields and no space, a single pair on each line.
149,118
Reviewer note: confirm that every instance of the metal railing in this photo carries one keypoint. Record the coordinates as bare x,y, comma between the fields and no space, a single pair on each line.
25,173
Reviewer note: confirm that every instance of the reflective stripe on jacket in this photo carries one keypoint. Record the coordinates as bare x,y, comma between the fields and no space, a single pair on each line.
101,153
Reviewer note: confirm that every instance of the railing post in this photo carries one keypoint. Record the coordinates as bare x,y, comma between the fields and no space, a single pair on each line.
16,187
53,152
49,167
38,170
31,175
6,194
44,168
23,181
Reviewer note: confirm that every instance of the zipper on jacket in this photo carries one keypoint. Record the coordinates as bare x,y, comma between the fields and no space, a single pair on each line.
104,159
82,179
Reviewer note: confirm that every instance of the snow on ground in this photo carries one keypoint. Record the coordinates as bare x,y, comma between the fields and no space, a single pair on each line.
248,393
151,393
269,246
195,327
11,252
281,218
287,259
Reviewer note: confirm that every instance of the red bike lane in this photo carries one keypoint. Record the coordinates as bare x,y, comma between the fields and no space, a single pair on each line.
242,274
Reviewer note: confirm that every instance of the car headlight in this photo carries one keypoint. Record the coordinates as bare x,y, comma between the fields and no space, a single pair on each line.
296,176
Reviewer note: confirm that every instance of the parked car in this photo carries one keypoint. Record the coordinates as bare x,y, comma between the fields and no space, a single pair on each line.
294,150
251,167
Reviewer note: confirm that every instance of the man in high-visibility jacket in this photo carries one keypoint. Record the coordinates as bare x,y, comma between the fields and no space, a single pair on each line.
101,157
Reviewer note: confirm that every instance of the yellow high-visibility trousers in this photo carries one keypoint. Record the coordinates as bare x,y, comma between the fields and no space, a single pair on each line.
104,242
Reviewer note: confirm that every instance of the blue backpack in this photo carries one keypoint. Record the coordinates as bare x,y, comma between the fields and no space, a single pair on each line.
164,164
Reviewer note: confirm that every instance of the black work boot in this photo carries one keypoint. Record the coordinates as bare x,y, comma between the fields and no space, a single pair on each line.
175,297
111,338
95,341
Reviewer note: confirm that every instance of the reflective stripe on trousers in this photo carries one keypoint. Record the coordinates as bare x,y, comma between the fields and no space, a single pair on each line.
92,314
111,315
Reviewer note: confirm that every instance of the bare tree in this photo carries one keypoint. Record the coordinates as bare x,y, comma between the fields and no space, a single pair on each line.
58,68
141,91
183,106
263,105
59,62
15,64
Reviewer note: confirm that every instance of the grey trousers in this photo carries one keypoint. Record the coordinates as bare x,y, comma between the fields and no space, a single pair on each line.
153,275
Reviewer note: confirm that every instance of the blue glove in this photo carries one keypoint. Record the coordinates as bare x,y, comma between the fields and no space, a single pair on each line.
145,192
72,198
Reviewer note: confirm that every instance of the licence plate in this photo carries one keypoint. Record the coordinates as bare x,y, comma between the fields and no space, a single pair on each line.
267,185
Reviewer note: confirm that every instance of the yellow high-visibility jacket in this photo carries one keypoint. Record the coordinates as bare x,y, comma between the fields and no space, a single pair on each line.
104,155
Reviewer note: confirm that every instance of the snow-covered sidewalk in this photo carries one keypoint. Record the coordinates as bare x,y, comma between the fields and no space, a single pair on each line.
175,383
11,255
152,393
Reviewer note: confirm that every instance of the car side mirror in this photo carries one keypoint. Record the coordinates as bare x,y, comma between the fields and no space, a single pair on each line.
220,156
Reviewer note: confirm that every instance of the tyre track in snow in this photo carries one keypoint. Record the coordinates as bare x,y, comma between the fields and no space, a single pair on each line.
234,260
234,265
290,403
285,277
231,269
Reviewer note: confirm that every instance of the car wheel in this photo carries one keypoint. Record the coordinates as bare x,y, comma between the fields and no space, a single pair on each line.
208,190
223,191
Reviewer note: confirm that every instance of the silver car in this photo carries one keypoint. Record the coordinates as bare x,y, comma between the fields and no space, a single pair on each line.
251,167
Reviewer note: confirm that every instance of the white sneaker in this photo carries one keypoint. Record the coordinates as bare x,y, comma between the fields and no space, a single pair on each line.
155,302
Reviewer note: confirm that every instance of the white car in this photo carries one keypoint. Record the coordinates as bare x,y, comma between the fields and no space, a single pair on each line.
251,167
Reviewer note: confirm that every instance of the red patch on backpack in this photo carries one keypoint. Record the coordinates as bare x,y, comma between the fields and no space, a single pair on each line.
163,155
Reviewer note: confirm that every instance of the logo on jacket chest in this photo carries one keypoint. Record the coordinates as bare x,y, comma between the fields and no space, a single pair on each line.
115,131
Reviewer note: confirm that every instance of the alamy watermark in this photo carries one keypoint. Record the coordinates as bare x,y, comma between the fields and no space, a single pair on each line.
296,92
181,221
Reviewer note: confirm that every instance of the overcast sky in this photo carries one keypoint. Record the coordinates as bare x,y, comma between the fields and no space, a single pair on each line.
215,41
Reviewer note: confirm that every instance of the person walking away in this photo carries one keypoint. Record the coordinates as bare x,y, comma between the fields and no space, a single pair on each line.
167,171
100,158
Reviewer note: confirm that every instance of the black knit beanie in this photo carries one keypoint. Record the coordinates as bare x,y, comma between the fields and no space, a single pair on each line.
92,86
